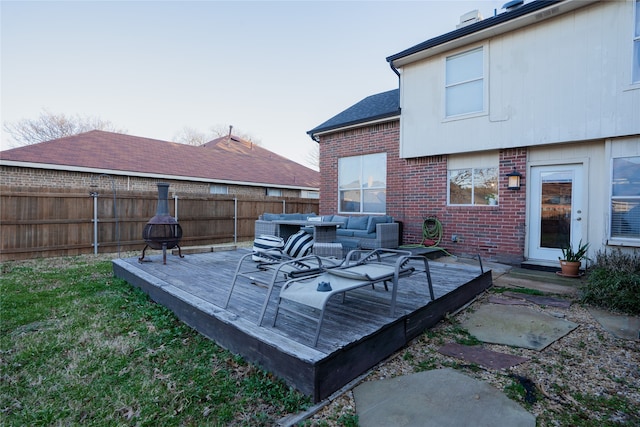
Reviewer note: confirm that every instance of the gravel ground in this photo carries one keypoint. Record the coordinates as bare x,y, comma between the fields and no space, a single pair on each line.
588,377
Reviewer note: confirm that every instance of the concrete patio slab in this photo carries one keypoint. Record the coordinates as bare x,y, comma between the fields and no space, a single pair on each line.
442,398
516,326
625,327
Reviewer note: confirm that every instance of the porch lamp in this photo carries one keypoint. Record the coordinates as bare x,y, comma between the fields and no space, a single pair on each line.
514,180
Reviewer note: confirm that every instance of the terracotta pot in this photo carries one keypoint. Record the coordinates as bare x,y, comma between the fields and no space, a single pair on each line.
570,268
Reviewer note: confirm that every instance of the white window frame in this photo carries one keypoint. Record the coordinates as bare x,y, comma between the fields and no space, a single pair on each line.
449,86
365,184
473,188
630,240
274,192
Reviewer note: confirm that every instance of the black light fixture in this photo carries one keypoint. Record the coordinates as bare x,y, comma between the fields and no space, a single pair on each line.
514,179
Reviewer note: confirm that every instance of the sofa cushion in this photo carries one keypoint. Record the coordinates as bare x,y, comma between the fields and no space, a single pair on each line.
344,232
342,219
299,244
358,222
292,217
375,220
362,234
270,217
327,218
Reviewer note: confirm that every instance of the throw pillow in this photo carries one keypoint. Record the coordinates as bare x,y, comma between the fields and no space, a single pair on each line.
264,243
299,244
341,219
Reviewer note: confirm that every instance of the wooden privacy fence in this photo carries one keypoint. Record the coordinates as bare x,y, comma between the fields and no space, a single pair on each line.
39,223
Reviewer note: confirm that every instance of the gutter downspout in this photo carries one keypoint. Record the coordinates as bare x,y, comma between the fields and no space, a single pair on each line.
395,70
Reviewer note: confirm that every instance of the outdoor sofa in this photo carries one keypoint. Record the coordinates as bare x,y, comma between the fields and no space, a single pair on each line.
356,231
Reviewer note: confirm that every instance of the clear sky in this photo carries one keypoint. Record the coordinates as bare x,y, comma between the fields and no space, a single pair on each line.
271,69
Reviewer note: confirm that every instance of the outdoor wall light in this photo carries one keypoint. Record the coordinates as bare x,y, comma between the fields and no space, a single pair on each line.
514,179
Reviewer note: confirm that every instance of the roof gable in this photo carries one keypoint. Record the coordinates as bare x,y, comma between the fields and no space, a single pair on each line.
219,160
374,107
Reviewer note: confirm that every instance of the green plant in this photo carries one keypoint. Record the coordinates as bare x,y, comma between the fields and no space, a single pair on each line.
614,282
568,254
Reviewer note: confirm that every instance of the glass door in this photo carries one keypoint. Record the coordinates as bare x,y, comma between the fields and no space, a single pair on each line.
556,210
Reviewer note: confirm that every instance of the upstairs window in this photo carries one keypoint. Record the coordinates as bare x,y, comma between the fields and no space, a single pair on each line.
362,183
635,72
625,198
464,83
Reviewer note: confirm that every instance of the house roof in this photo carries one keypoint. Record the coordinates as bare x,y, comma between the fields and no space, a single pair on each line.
375,107
224,160
527,14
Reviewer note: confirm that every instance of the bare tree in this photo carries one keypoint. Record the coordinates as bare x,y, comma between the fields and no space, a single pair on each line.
313,157
50,126
190,136
222,130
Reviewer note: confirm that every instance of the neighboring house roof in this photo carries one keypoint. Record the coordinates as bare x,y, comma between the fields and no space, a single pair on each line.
223,160
375,107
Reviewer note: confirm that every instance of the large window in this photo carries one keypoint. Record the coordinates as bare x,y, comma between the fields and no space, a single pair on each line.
625,198
464,83
362,183
636,45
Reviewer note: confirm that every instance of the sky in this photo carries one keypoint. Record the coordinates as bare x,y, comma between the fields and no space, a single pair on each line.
271,69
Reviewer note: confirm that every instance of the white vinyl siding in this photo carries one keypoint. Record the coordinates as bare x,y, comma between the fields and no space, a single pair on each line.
635,72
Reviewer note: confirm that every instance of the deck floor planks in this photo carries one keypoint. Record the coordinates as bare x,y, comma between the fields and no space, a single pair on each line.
202,282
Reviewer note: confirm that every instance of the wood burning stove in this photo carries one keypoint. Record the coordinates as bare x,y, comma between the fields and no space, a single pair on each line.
162,231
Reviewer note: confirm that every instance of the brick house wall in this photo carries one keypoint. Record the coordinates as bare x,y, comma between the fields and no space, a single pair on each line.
417,189
11,176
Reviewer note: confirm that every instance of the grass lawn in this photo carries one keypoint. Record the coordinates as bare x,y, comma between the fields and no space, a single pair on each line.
80,347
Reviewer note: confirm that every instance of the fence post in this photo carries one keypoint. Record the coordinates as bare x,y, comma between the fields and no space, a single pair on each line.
235,220
284,206
175,206
94,194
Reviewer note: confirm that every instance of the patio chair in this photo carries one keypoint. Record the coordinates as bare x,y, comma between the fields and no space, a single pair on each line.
374,267
276,266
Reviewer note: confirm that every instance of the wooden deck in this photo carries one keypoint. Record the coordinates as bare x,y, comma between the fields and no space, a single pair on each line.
356,334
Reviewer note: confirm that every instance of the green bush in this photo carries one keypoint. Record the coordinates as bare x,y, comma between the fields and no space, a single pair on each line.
614,282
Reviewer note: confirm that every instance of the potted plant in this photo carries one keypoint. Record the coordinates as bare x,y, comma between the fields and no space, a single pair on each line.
491,199
571,260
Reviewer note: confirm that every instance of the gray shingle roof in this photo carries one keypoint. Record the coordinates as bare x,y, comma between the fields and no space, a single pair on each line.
374,107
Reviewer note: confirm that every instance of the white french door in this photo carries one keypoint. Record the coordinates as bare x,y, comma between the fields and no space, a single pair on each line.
556,211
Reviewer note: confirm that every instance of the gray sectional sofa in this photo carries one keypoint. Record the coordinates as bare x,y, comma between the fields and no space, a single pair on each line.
366,231
362,231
